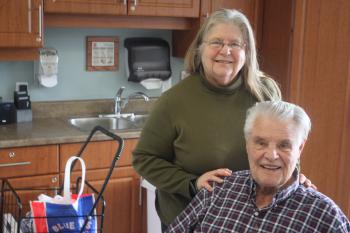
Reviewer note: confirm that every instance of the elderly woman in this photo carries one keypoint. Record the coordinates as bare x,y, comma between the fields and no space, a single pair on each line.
194,134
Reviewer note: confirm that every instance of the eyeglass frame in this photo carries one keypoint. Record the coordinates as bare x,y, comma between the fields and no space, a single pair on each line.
219,44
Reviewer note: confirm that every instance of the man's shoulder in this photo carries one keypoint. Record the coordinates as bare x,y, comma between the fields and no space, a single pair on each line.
238,177
314,201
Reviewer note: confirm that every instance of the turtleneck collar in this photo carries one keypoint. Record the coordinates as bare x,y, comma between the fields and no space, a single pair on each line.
224,90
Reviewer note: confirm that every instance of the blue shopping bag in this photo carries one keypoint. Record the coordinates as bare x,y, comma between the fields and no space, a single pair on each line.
65,214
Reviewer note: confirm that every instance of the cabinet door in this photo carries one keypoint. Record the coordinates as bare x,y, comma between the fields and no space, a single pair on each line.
176,8
98,154
106,7
251,8
21,23
28,189
246,6
123,212
28,161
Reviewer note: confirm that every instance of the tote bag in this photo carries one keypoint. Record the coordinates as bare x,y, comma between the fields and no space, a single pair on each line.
67,213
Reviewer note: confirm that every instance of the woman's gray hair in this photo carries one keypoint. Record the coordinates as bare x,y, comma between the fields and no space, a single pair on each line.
252,76
281,110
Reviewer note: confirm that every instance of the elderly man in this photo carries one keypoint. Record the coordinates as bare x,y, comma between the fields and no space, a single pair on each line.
268,198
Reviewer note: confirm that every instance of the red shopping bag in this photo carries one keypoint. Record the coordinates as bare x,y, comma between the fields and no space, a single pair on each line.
65,213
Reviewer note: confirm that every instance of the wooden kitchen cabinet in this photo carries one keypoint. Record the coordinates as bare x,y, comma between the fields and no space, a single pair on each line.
106,7
150,14
21,23
251,8
21,29
29,168
177,8
28,161
174,8
123,211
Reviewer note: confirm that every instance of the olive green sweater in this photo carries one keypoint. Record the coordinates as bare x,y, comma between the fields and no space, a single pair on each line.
193,128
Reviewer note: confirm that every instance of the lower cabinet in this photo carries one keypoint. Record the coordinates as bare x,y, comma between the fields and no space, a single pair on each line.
30,171
124,208
29,188
33,167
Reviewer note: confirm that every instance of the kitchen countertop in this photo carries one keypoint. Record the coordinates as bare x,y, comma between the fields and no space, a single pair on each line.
44,131
50,122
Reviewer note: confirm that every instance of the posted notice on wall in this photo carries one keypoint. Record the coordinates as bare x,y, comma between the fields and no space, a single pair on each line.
102,53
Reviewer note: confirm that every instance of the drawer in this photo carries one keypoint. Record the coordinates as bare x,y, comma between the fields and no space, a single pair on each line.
27,161
98,154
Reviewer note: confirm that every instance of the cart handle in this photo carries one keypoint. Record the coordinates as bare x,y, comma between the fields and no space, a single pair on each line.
116,158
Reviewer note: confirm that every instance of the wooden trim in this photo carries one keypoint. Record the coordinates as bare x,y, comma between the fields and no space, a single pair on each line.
297,52
345,151
19,54
105,21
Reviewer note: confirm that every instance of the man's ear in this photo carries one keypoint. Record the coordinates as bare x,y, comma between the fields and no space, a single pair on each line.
301,147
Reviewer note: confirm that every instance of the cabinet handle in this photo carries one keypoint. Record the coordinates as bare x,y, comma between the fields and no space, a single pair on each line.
54,179
30,16
12,154
40,23
133,7
14,164
125,2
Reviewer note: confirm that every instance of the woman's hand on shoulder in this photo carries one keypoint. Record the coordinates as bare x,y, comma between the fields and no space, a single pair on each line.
306,182
215,175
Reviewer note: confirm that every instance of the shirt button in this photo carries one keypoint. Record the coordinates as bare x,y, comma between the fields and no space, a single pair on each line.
256,213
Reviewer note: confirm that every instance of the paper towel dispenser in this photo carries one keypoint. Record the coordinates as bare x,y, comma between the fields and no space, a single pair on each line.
147,58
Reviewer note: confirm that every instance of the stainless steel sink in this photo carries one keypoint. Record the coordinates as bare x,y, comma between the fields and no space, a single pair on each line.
123,122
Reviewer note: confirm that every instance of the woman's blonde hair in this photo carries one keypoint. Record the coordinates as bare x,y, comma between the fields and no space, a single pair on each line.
260,85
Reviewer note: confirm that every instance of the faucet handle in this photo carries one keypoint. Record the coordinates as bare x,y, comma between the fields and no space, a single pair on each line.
120,91
140,94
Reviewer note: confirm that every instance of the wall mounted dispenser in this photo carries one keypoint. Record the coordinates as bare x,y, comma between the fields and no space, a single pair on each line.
48,67
147,61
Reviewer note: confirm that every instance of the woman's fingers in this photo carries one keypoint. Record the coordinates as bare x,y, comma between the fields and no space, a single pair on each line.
215,175
306,182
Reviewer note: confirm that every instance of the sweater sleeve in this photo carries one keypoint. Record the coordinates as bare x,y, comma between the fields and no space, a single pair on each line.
154,155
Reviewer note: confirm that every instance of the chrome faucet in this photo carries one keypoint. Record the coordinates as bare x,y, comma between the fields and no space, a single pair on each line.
119,104
118,101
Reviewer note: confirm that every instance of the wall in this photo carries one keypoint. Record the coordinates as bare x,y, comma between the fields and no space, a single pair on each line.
74,82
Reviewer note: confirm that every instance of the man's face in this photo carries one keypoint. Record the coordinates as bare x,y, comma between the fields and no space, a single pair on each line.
273,148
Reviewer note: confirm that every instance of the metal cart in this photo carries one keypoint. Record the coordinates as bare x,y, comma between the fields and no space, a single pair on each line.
14,213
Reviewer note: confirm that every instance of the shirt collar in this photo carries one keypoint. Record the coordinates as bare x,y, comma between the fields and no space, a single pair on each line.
282,194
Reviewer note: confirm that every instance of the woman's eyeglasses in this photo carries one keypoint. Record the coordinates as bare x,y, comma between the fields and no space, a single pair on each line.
219,44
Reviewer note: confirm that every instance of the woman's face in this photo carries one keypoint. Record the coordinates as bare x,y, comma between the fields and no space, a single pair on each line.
222,63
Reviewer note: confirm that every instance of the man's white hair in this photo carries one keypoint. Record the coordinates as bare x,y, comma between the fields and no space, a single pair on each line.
281,110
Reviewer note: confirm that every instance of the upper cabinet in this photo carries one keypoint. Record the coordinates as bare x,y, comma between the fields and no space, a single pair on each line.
106,7
146,14
251,8
21,23
178,8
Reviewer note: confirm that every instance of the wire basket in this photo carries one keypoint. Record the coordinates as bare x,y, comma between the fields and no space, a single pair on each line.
15,215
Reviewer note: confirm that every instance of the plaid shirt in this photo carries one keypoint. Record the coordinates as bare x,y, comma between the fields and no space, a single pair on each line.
231,207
